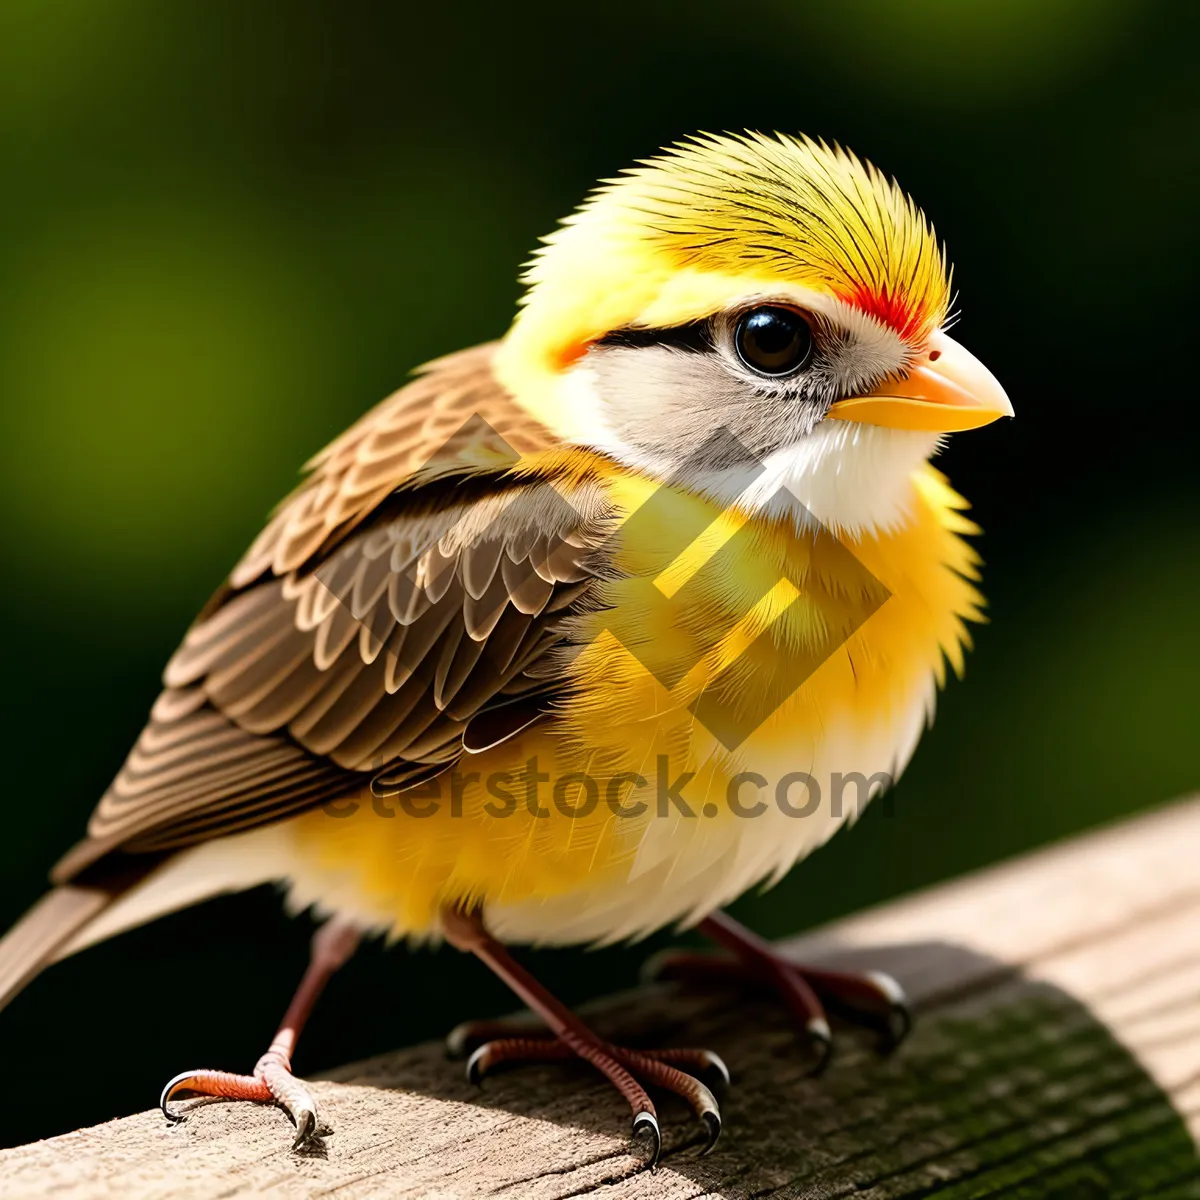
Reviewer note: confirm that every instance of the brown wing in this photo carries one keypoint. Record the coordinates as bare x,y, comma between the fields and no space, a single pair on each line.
396,612
453,420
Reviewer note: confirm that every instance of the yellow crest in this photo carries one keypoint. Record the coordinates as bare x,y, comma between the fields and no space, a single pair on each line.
679,235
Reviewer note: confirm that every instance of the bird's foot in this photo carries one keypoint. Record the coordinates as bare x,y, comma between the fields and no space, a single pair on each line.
271,1083
565,1036
869,998
492,1045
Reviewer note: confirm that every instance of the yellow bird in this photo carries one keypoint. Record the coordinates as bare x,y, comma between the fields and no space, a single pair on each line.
584,632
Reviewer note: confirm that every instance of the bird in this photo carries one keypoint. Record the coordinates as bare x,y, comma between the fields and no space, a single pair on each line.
582,633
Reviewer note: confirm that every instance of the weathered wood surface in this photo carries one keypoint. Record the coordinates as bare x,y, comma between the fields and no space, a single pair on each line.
1057,1054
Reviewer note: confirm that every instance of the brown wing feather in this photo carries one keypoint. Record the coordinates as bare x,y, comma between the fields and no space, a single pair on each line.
454,419
406,591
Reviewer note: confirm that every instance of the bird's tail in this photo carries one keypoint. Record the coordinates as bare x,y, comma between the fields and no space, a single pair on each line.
36,939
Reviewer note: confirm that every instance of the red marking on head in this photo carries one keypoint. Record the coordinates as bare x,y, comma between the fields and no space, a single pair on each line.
567,356
894,310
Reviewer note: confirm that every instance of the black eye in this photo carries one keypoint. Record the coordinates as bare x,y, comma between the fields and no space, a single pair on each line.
773,341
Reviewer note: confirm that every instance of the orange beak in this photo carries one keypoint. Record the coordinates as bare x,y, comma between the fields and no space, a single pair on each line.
948,390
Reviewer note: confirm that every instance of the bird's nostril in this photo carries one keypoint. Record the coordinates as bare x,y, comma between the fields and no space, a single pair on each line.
934,355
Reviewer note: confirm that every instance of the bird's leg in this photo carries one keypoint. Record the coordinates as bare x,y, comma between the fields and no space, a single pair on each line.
565,1037
272,1080
871,997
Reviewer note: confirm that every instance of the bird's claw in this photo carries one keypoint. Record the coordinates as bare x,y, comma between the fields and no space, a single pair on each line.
306,1127
714,1070
897,1026
820,1042
646,1122
477,1065
175,1082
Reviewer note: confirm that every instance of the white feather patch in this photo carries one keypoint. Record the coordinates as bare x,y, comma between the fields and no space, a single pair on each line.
853,478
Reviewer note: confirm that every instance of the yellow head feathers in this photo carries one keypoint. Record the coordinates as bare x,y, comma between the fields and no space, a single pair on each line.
721,217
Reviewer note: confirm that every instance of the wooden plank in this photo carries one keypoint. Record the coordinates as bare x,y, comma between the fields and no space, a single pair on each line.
1056,1055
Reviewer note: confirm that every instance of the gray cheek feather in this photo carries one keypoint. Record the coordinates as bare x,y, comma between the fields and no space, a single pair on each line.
851,366
668,402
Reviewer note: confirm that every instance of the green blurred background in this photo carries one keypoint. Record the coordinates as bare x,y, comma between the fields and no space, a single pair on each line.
228,229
